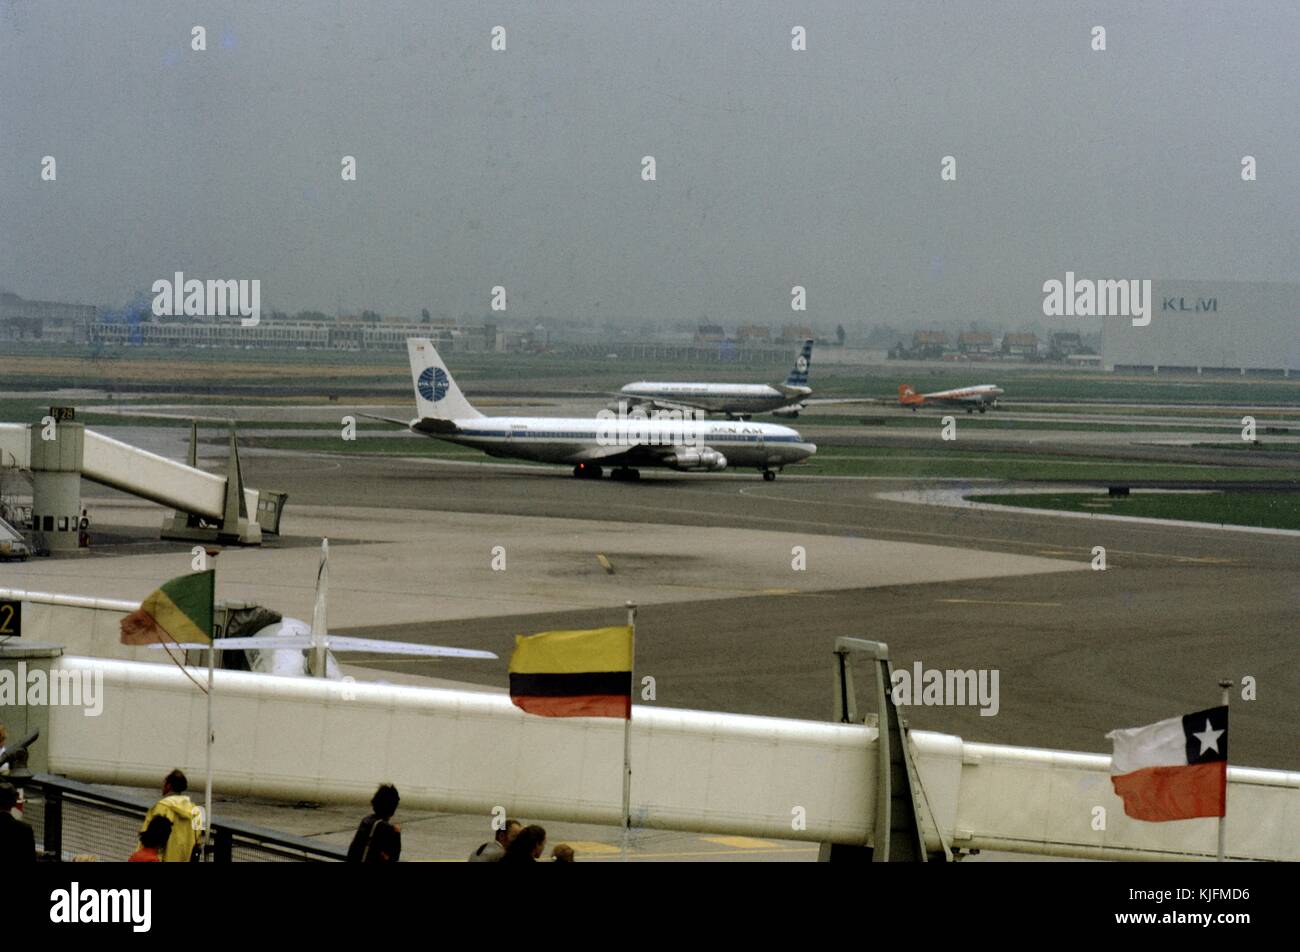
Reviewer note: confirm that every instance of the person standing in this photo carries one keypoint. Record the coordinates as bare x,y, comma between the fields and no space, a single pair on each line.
153,841
378,839
17,838
186,819
527,847
495,848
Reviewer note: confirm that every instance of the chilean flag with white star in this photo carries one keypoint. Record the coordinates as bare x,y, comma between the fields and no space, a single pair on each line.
1175,769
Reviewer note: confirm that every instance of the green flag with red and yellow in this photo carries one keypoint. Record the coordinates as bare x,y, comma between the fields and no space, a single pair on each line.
180,611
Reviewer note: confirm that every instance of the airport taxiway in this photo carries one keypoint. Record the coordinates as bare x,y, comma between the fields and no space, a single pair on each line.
726,620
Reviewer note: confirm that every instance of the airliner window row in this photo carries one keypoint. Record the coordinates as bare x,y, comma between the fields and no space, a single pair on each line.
729,396
590,435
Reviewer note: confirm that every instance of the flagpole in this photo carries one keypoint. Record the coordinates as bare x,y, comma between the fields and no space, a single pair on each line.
207,797
1223,820
627,737
207,793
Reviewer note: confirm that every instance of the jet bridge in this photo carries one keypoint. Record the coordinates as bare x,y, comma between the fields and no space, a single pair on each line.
866,787
209,507
698,771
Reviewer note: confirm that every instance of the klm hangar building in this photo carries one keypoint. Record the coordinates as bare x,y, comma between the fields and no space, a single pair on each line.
1240,327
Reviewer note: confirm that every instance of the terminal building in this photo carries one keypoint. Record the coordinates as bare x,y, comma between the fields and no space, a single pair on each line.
341,335
51,322
1243,327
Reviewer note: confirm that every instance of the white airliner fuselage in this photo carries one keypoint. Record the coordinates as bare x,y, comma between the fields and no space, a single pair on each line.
588,444
733,399
979,397
584,440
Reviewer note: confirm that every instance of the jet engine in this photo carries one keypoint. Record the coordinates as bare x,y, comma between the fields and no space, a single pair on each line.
791,411
705,459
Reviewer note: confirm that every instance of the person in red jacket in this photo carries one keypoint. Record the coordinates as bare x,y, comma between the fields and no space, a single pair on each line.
152,841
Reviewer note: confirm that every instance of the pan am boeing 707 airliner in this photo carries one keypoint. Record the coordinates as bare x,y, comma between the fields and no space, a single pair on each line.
590,444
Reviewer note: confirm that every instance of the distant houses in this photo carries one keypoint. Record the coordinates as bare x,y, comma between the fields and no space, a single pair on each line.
929,345
985,345
975,343
1020,345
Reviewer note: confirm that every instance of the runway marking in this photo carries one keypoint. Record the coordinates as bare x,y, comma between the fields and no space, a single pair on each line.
635,854
779,591
989,510
784,522
741,842
611,853
591,846
988,601
963,503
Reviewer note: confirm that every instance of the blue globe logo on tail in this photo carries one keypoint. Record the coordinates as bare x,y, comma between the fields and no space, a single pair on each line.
433,384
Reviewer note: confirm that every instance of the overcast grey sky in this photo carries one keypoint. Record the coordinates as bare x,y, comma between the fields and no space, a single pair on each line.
522,168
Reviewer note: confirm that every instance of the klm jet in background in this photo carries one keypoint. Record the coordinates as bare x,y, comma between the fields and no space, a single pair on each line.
736,400
590,444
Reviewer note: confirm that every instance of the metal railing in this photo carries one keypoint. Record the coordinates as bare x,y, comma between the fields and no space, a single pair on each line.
75,820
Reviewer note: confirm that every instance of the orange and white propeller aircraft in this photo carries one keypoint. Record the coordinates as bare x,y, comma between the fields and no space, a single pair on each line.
969,398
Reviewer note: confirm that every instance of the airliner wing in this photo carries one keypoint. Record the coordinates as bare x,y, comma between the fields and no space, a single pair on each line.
599,452
375,646
335,644
829,401
655,403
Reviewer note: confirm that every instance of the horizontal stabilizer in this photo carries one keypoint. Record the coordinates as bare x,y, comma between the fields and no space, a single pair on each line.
386,419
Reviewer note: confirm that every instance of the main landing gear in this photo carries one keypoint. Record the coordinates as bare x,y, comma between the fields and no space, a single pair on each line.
769,475
626,474
586,471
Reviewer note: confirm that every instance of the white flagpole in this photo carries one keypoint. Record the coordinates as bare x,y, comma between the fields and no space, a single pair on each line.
207,796
207,793
316,664
627,739
1223,820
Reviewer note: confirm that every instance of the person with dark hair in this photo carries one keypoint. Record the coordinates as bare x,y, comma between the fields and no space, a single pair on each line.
527,847
153,841
186,819
17,838
378,838
495,848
